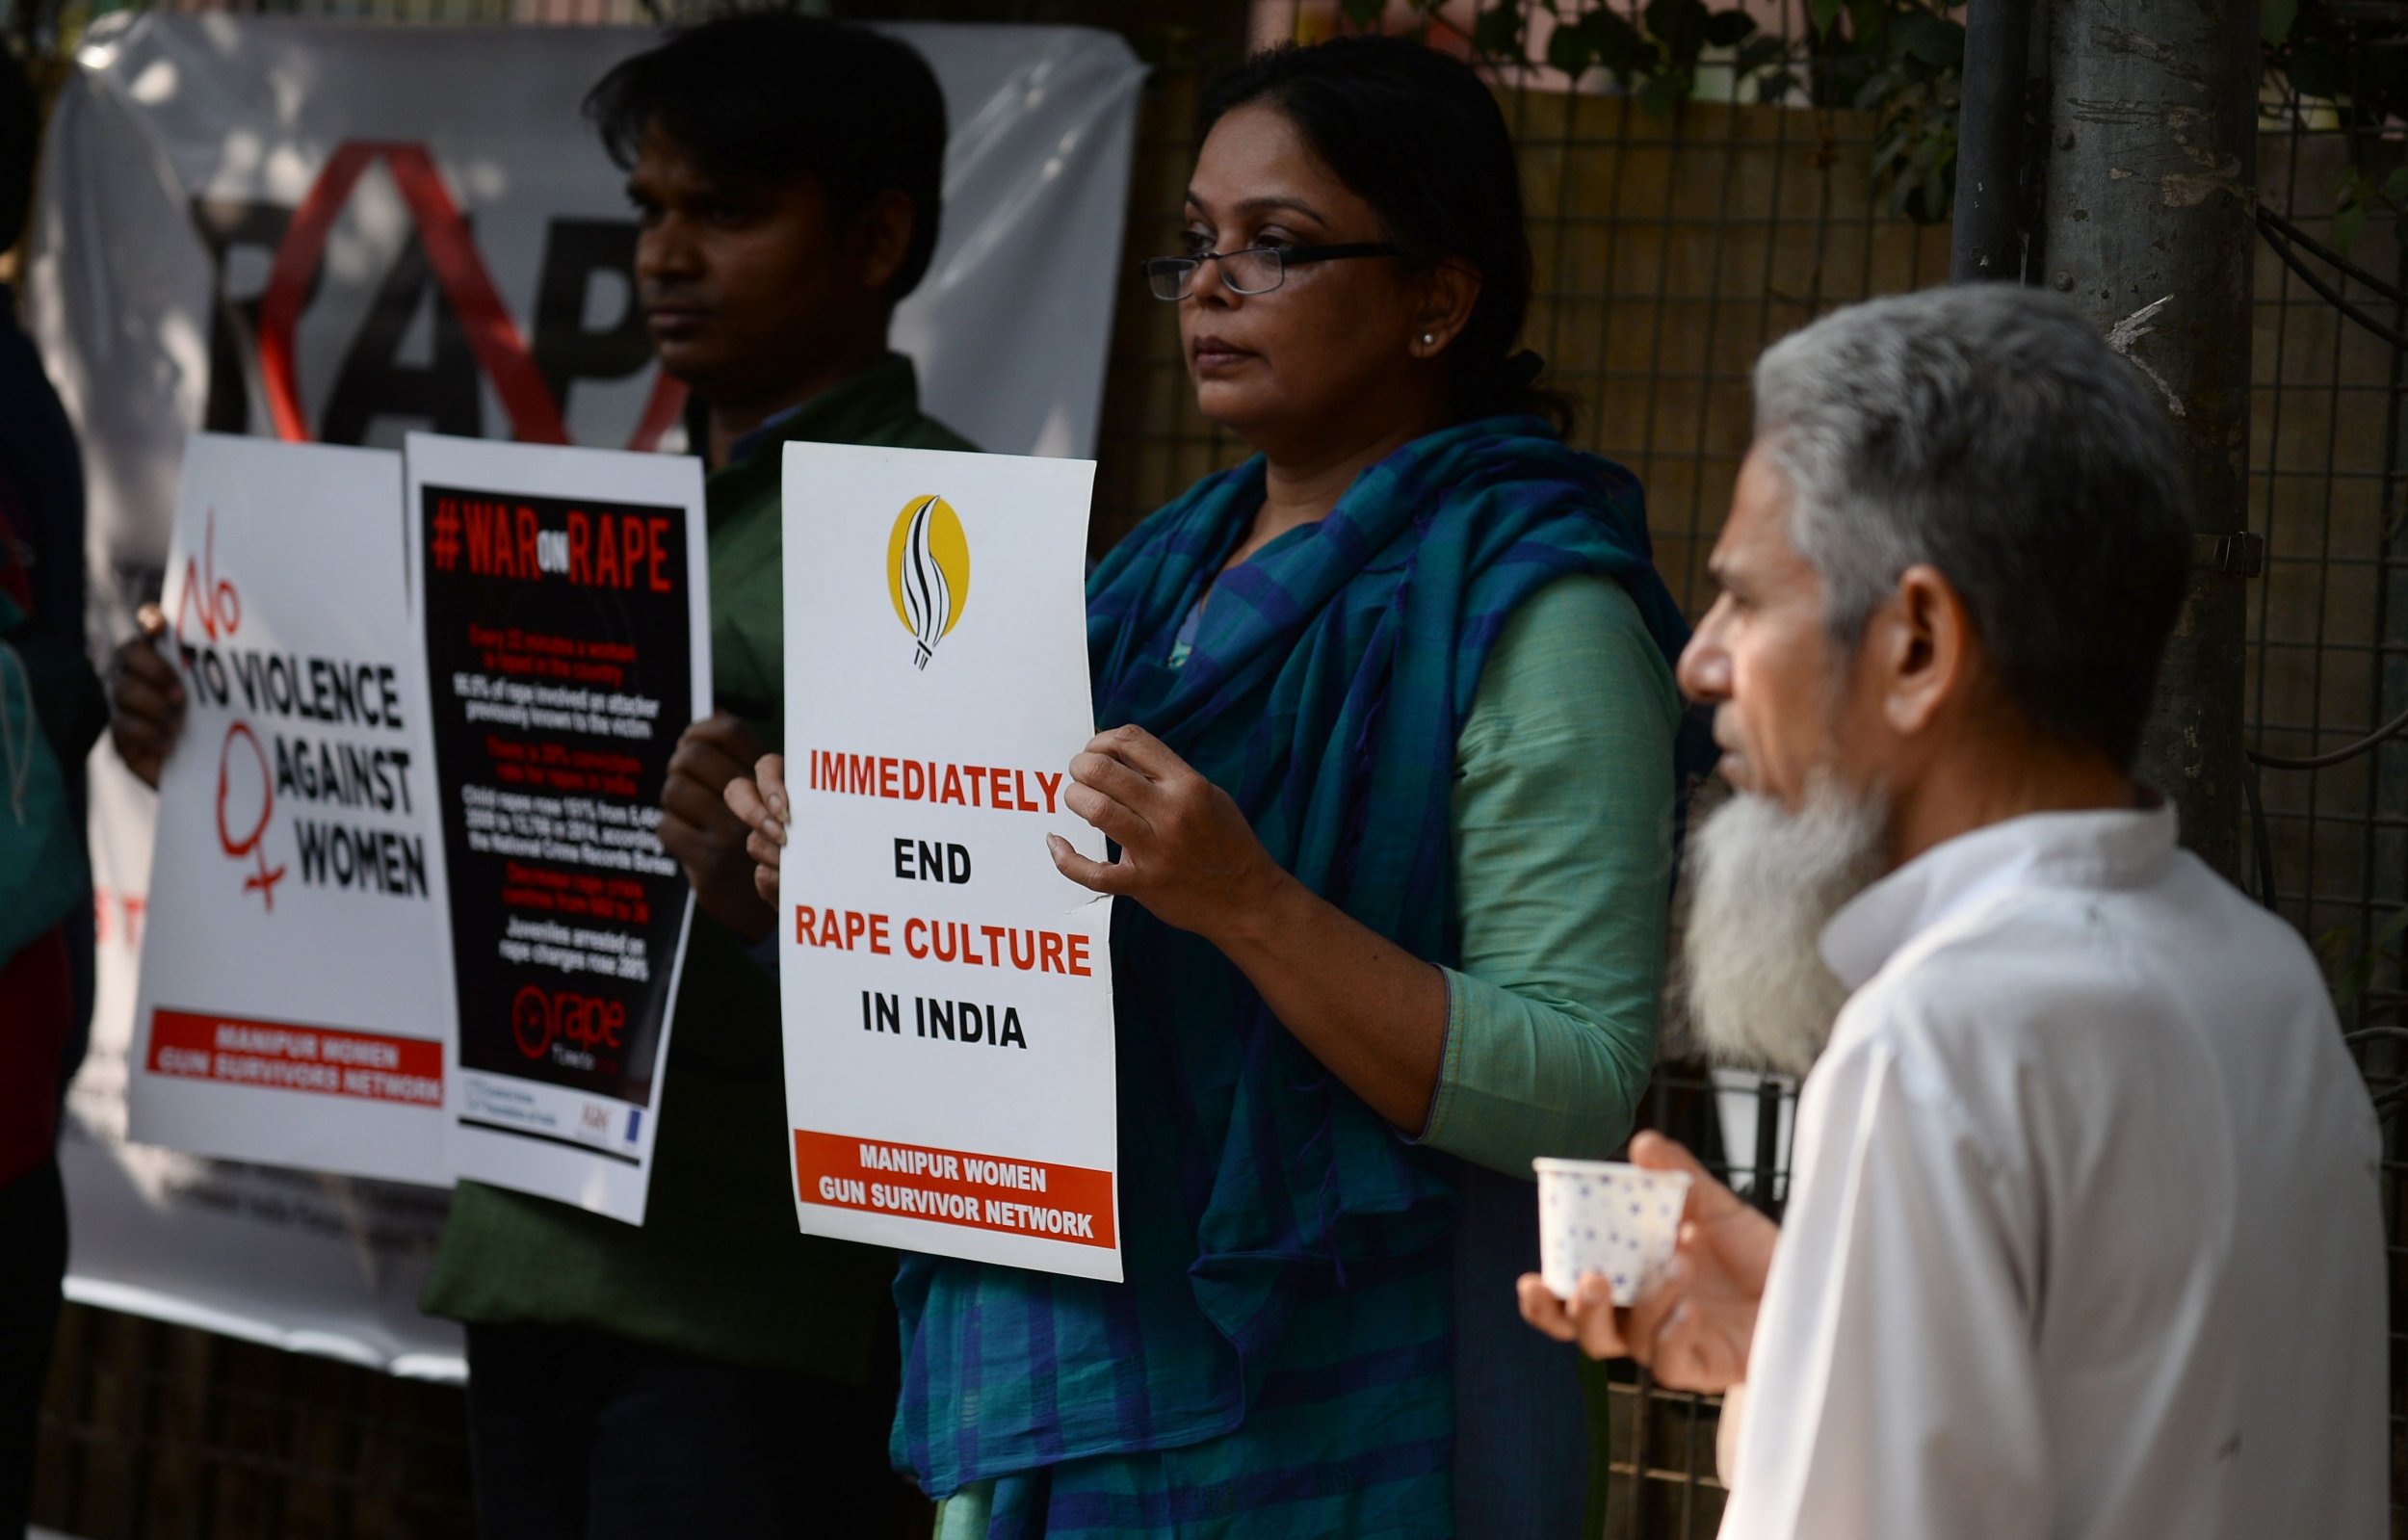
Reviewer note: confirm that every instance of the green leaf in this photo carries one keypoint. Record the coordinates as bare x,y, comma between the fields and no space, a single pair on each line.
2348,224
1825,13
2394,192
2334,948
1728,29
1663,93
2275,18
2313,71
1936,41
2354,980
2349,208
1364,15
1497,33
2385,938
1759,53
1775,86
1879,89
1618,44
1679,27
1569,50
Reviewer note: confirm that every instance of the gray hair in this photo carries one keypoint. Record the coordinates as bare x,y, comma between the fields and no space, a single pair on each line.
1989,431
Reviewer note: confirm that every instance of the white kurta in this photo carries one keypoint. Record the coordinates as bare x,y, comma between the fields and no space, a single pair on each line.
2084,1240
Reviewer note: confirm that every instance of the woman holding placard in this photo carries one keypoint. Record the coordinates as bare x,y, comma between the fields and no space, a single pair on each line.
1394,799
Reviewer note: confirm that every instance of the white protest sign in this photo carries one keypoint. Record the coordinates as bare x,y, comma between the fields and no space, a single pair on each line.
947,994
297,897
566,612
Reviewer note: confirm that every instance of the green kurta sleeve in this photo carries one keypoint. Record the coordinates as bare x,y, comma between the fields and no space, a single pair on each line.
1564,795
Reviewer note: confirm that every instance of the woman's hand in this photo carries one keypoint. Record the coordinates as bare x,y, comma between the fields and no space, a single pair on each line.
1693,1325
760,800
1371,1011
1186,852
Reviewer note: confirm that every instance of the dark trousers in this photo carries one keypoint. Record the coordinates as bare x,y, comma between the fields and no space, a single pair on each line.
577,1435
33,1258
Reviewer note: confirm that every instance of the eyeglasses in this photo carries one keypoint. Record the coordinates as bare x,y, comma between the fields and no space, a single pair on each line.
1255,270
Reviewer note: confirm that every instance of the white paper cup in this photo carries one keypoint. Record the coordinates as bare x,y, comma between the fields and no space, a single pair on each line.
1607,1217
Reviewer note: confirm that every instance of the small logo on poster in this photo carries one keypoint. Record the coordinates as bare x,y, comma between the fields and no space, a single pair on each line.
928,572
531,1021
568,1028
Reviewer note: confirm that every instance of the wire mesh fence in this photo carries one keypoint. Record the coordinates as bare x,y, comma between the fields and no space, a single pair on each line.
1671,247
2329,619
157,1432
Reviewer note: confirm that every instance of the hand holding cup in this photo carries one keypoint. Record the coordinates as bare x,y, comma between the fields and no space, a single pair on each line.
1689,1317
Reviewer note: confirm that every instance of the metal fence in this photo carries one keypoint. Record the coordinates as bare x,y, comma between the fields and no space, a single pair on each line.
1670,249
2328,654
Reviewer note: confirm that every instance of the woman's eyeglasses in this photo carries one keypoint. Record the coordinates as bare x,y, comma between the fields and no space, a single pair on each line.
1255,270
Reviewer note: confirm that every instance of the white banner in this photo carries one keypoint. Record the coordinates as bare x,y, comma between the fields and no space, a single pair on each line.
947,993
176,161
284,1015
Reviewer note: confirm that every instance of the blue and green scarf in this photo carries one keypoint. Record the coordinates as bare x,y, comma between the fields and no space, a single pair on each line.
1327,682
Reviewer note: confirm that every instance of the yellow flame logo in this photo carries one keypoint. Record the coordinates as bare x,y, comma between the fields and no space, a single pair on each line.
928,572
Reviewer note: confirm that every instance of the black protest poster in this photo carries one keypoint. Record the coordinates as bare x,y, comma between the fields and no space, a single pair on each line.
564,612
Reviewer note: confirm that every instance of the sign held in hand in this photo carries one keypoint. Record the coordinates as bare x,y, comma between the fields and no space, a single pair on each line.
947,993
297,897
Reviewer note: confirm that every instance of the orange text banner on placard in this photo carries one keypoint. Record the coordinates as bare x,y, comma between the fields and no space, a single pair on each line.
280,1056
951,1187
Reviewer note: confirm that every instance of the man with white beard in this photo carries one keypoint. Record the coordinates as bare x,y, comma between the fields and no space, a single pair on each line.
2083,1238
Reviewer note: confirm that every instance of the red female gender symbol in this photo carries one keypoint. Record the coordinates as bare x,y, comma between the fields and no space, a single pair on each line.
265,879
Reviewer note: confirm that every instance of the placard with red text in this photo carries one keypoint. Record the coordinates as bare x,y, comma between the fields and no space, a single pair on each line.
565,606
297,897
947,993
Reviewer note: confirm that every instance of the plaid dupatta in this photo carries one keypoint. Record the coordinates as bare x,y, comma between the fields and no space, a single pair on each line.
1330,676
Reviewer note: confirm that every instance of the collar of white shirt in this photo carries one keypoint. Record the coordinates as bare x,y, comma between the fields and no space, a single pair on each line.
2107,848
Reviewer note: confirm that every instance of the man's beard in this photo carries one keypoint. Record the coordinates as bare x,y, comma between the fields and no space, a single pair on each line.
1762,882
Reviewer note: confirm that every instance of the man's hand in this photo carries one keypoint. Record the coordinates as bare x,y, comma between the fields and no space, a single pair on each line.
760,800
145,700
697,828
1694,1324
1187,851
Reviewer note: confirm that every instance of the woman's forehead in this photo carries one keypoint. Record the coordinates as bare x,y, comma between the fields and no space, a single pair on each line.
1256,163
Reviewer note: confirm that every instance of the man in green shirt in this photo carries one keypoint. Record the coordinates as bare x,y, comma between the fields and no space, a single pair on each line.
712,1371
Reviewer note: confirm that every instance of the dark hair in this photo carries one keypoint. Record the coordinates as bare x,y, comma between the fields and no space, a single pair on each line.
20,130
1418,135
1989,430
777,95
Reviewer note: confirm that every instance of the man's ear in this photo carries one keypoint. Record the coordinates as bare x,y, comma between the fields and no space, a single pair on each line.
881,236
1923,642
